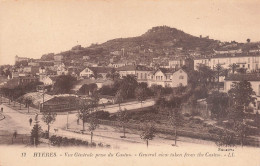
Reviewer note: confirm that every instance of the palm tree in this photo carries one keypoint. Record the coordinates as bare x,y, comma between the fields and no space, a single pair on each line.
218,68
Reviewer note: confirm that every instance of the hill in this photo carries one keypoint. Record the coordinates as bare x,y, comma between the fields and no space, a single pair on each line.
161,41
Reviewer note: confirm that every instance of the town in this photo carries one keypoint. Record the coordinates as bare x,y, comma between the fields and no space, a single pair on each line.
129,90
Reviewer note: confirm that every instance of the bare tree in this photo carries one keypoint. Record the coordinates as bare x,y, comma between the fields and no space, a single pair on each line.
49,118
148,133
123,118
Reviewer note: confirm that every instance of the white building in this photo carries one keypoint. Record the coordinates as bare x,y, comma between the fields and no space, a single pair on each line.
249,62
95,71
168,78
141,72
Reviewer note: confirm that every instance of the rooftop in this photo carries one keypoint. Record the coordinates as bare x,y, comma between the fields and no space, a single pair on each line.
100,69
243,77
133,67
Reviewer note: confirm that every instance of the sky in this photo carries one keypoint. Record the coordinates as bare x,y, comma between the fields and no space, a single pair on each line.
30,28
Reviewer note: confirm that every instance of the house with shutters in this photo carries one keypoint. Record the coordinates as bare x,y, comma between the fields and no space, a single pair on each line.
141,72
95,72
168,77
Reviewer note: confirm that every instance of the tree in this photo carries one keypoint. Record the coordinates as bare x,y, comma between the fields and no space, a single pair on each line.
93,125
35,133
156,90
148,133
113,74
218,102
241,70
218,69
119,97
88,89
226,138
63,84
128,85
175,117
248,40
242,131
49,118
17,93
242,93
233,67
172,107
28,101
123,118
86,107
205,74
140,94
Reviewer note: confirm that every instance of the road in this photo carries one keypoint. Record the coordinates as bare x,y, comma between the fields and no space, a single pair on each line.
19,121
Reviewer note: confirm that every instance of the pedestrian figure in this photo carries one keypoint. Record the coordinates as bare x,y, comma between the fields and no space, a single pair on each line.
15,134
2,109
78,121
30,121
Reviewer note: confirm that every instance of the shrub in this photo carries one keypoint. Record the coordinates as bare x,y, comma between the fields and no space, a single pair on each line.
101,115
72,141
93,144
187,115
85,143
65,141
100,144
78,142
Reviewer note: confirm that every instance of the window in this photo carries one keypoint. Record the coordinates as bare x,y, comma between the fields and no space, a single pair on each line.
145,76
248,66
248,60
141,75
181,77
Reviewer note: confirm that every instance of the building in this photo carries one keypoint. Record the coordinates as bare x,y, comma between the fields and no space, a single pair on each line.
96,72
60,104
228,51
141,72
168,77
254,80
250,62
47,80
85,57
180,62
31,70
19,59
58,57
27,79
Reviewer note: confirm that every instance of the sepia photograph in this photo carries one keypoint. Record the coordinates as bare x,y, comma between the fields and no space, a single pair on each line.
129,82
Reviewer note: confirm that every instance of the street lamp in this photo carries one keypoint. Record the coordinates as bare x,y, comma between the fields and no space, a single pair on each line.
42,87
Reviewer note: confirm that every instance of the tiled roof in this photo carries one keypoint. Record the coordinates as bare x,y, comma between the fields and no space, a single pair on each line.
242,77
100,69
133,67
